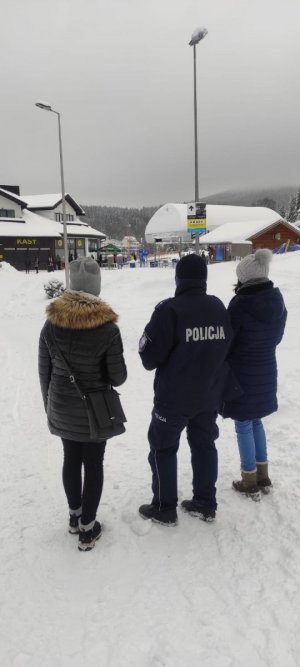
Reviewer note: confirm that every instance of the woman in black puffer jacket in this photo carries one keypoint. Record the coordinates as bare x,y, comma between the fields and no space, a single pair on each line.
258,317
84,329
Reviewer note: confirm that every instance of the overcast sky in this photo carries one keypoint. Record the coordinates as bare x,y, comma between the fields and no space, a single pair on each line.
121,74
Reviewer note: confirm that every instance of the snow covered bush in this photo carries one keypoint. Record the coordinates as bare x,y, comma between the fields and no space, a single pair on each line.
54,288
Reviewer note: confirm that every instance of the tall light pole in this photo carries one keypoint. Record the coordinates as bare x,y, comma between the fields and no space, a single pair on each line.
47,107
197,35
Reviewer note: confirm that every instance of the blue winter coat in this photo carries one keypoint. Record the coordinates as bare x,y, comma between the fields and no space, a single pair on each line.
258,317
187,340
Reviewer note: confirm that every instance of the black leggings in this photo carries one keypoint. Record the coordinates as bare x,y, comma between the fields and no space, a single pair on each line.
89,455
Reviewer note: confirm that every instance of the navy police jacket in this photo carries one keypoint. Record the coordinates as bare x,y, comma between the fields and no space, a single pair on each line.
258,316
187,340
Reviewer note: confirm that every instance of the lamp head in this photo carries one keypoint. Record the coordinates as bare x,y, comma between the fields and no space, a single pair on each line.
197,35
43,105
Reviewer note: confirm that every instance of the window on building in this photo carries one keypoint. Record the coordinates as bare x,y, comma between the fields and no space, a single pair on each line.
60,218
277,236
93,245
7,213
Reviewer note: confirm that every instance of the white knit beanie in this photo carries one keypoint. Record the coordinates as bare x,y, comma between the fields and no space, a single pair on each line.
85,276
254,267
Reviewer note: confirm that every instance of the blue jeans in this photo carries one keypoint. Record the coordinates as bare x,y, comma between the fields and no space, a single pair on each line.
251,442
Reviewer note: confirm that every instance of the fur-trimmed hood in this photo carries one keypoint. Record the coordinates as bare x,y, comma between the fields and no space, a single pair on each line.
79,310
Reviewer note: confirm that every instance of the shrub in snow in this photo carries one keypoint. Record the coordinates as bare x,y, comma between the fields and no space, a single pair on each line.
54,288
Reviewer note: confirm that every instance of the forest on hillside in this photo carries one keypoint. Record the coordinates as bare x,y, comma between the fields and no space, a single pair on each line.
117,222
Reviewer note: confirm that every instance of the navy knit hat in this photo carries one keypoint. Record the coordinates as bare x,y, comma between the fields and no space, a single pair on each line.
191,267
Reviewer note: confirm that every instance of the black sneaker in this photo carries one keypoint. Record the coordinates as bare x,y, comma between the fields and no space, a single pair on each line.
194,508
74,524
88,538
165,517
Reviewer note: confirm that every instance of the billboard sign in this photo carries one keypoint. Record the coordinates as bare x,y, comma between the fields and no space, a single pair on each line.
196,217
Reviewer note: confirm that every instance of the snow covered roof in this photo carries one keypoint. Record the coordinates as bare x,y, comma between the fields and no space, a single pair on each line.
79,228
235,232
171,219
30,225
46,202
13,197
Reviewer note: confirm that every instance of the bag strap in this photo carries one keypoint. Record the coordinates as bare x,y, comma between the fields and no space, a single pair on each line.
71,375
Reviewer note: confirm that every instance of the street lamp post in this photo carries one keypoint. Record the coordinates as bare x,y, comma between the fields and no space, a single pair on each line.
47,107
197,35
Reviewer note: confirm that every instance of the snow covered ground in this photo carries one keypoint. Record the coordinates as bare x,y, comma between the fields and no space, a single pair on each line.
198,595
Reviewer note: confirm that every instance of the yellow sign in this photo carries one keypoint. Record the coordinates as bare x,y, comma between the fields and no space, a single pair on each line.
59,243
26,241
196,222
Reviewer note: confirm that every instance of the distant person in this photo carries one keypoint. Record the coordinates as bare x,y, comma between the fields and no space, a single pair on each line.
50,264
83,328
186,341
27,264
119,259
71,257
110,261
36,264
258,316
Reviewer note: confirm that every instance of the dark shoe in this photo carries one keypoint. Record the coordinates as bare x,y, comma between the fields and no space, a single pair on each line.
165,517
88,538
74,524
194,508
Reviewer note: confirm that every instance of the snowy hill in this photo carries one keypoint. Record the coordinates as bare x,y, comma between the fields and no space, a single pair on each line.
281,197
198,595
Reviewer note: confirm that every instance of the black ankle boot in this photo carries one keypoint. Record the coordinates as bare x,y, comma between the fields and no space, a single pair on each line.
165,517
88,538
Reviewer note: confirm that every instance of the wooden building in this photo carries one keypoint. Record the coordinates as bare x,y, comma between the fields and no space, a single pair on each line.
237,239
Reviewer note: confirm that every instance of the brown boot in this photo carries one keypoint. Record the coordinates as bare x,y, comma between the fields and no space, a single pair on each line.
248,485
263,479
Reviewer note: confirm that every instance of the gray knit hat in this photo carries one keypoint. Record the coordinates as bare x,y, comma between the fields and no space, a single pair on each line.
85,276
254,267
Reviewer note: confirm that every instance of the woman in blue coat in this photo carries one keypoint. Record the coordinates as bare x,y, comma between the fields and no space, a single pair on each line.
258,317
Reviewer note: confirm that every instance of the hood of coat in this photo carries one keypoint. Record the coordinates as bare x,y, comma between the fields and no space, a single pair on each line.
190,284
78,310
264,303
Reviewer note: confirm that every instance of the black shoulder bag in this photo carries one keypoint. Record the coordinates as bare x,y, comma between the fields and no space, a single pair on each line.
103,406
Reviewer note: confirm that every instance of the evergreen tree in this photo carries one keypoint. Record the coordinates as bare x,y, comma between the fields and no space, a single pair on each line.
298,205
282,212
292,210
267,202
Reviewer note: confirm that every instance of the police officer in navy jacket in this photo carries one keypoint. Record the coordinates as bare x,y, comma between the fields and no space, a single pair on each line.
186,341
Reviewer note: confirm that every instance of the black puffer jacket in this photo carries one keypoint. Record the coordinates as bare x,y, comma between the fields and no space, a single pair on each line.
85,331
